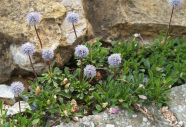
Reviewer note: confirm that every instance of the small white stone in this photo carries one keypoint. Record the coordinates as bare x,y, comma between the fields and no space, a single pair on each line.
134,115
145,119
129,126
110,125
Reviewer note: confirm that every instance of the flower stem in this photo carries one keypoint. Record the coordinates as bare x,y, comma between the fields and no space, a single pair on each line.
38,36
114,74
169,24
91,53
19,105
40,45
81,73
88,85
75,32
49,66
33,69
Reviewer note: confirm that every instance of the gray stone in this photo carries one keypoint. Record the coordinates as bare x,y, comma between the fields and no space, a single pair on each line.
15,108
6,94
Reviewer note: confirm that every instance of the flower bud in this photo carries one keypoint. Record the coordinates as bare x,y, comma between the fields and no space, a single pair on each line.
37,90
85,112
74,109
65,81
73,101
48,101
158,69
67,85
121,100
119,43
66,113
55,97
104,105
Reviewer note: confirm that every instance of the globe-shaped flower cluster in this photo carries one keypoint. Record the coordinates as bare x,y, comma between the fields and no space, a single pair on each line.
90,71
81,51
72,17
33,18
47,54
114,60
174,3
17,87
27,49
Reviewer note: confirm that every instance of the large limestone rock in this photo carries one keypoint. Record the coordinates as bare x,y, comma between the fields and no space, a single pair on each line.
54,32
119,19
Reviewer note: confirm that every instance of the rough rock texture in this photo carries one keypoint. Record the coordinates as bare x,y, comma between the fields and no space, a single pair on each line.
119,19
15,108
123,119
6,94
54,32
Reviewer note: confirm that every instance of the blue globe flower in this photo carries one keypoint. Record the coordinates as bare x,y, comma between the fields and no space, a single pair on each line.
72,17
17,87
47,54
81,51
90,71
33,18
114,60
27,49
174,3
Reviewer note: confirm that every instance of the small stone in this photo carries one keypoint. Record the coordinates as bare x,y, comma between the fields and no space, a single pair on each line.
145,119
110,125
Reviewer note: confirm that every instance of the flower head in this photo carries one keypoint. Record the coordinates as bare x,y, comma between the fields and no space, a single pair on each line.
81,51
114,60
145,80
47,54
90,71
27,49
114,110
33,18
174,3
72,17
17,87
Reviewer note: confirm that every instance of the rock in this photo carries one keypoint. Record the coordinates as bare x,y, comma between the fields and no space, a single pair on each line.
6,62
54,32
178,103
120,19
15,108
6,94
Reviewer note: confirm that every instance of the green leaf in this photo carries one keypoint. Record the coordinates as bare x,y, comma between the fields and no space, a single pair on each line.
65,94
98,107
55,84
35,121
147,64
96,96
57,89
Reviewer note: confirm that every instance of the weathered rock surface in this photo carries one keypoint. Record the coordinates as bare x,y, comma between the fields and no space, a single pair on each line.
119,19
15,31
15,108
6,94
123,119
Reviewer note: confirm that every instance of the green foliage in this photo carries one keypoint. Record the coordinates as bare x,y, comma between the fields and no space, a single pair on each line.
99,55
164,65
